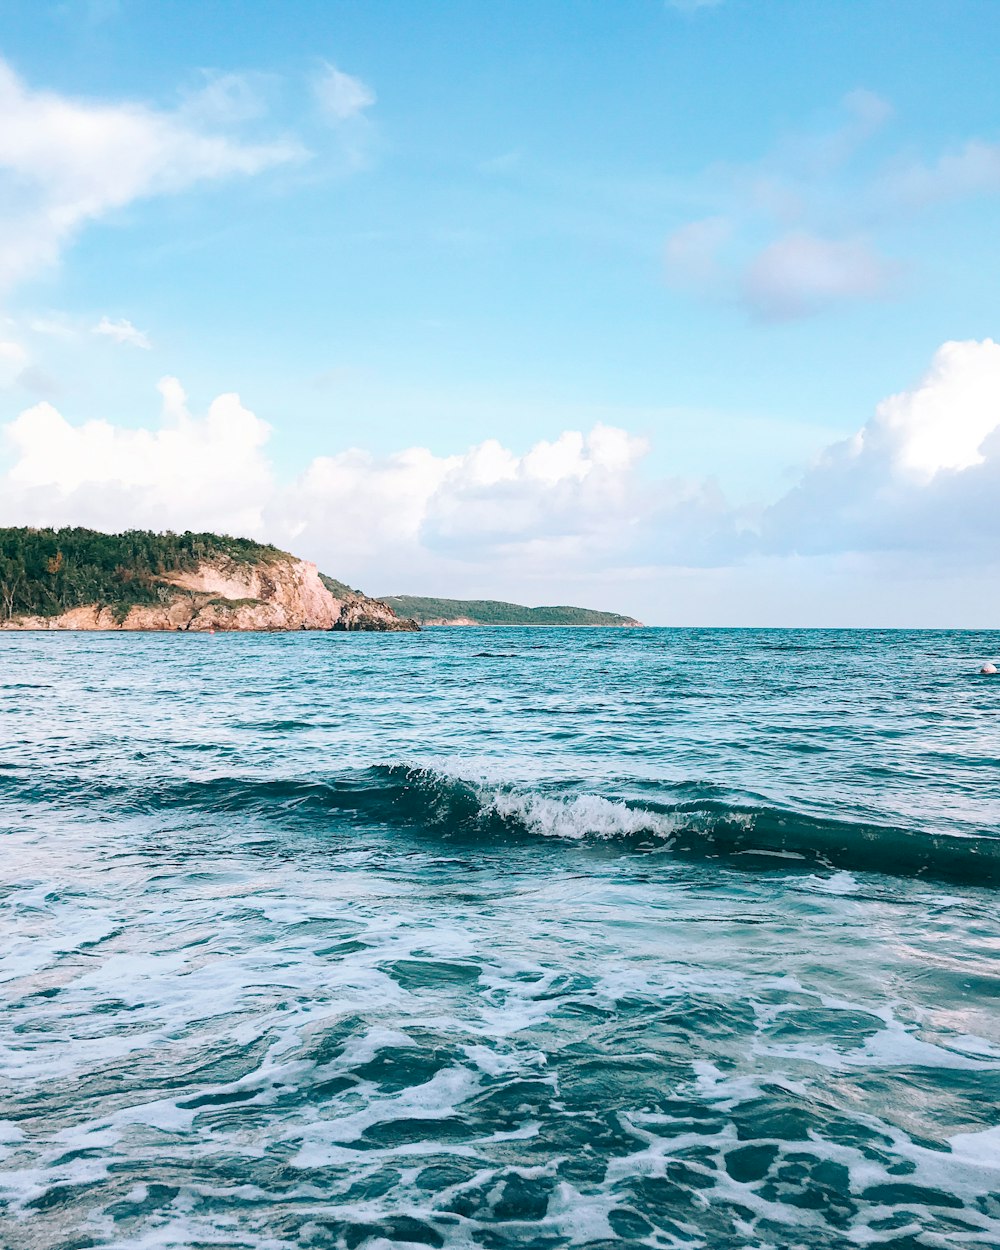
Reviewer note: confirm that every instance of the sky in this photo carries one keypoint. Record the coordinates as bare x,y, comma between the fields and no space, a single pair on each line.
681,309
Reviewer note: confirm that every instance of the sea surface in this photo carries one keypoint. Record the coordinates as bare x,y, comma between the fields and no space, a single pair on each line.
500,938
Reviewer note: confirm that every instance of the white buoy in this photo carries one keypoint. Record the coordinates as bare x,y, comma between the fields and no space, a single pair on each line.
989,669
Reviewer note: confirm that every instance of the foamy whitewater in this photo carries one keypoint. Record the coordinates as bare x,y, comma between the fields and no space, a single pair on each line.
500,938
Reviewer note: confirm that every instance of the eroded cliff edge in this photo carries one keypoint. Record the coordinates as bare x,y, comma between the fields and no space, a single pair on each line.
207,583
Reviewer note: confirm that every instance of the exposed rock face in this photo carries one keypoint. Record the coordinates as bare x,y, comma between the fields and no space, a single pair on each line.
360,612
227,595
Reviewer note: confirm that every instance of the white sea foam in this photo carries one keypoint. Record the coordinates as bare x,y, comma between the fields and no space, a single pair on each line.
979,1149
587,815
436,1099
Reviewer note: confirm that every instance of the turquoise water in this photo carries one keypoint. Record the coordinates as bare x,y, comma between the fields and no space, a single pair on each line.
500,938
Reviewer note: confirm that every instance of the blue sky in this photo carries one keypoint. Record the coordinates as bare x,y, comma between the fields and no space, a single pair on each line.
402,233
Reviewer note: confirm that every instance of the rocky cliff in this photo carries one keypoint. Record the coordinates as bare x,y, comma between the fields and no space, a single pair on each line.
280,593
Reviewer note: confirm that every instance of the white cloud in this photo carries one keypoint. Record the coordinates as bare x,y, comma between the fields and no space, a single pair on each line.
577,488
565,511
576,502
189,473
65,162
923,475
943,422
340,96
123,331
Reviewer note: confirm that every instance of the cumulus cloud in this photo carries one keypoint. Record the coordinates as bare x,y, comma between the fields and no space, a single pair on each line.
575,488
370,507
943,422
575,500
573,507
122,331
340,96
65,162
923,475
575,503
188,473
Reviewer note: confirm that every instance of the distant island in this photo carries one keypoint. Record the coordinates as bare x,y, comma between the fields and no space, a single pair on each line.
82,579
426,611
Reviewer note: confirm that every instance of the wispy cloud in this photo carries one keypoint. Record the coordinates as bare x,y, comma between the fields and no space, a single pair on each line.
343,103
799,231
800,274
340,96
65,162
227,99
969,170
13,359
122,331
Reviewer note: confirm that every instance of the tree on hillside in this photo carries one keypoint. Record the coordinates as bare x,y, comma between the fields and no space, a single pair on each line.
44,572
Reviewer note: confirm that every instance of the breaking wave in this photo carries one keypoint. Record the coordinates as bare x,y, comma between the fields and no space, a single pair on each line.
689,821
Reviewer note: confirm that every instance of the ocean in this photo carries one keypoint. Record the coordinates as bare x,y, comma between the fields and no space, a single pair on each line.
500,938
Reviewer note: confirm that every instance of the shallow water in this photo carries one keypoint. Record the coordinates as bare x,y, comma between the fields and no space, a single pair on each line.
500,938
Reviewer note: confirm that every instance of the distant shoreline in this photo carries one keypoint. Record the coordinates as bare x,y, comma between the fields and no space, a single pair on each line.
435,613
526,625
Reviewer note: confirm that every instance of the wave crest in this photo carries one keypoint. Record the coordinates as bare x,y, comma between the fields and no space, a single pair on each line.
692,821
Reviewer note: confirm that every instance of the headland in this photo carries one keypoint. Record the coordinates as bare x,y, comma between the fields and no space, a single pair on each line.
81,579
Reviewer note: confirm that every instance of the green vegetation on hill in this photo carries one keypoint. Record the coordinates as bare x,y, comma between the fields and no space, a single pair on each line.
426,611
44,572
339,590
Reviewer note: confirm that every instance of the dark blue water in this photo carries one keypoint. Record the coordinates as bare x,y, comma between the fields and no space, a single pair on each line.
500,938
